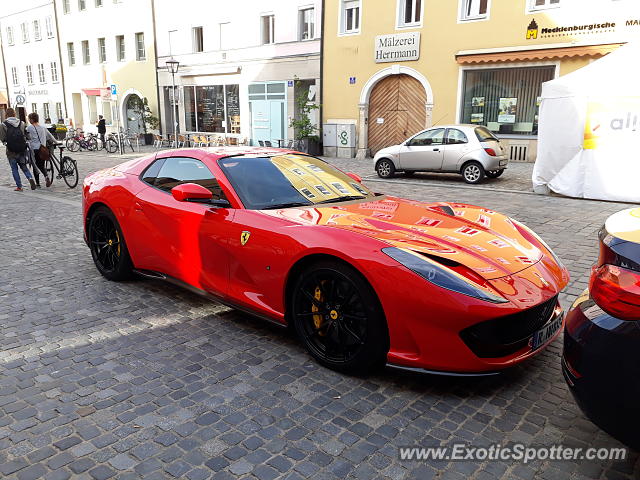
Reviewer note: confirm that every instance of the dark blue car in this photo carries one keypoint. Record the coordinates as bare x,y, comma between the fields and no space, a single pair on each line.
601,358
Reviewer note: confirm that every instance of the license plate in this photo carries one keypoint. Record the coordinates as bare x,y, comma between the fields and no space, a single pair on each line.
543,335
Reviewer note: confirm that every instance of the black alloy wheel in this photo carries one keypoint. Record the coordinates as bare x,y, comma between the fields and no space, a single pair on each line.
338,318
108,248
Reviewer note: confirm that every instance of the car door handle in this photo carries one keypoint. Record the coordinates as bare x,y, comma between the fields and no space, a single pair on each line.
436,149
137,207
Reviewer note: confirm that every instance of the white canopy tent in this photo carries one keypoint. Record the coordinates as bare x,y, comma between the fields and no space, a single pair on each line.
589,130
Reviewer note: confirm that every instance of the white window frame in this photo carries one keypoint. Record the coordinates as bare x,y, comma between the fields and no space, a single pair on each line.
400,23
197,43
342,17
48,22
66,6
37,33
301,23
222,40
99,3
86,52
462,12
29,70
102,50
531,6
54,72
34,107
71,53
25,32
59,111
82,5
46,111
10,39
272,30
42,76
141,55
121,54
14,76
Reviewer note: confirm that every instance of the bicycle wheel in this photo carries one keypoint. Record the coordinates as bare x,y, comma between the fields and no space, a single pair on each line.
48,169
111,145
69,171
73,145
92,144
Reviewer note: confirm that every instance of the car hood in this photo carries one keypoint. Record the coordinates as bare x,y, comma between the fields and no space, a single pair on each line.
392,150
485,241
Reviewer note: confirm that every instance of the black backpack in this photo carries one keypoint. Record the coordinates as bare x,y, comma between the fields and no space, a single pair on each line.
16,141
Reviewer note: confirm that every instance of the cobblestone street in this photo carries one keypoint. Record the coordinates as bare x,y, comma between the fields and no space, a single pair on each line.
145,380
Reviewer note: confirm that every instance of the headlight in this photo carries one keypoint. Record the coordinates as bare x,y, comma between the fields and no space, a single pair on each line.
440,275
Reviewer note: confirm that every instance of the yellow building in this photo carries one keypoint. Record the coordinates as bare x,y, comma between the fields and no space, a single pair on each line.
393,67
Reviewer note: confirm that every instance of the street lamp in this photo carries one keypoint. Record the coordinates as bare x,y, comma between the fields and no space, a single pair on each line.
172,67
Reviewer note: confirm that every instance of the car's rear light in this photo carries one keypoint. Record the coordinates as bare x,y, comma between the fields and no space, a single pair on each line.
491,152
616,290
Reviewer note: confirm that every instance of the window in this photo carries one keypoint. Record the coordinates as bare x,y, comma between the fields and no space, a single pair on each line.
474,9
82,5
120,51
211,108
34,107
72,54
54,71
86,54
59,111
10,35
66,6
14,76
98,3
267,25
178,170
141,52
225,35
430,137
409,13
307,24
29,75
45,111
48,23
25,33
102,50
41,75
36,30
198,41
350,16
542,4
455,137
504,99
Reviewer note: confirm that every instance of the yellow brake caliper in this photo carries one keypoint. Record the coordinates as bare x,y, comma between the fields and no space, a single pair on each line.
317,319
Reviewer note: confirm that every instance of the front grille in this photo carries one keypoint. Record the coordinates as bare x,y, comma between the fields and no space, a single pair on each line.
506,335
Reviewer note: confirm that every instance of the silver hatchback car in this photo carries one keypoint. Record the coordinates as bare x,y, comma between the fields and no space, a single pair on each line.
471,150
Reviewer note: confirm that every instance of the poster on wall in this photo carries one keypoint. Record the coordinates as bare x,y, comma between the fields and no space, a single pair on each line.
507,110
477,101
477,118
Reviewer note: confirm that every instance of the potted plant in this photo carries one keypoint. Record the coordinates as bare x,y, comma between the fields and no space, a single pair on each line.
306,133
149,120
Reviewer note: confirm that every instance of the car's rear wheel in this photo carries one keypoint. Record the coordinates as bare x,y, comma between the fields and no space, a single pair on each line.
385,168
108,248
338,318
494,173
473,172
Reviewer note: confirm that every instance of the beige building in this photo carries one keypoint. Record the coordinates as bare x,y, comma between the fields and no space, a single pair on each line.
394,67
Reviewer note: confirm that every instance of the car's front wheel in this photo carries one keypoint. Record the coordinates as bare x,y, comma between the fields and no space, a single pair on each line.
385,168
107,245
495,173
338,318
473,172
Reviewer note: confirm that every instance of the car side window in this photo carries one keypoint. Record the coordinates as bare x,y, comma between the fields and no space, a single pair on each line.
178,170
430,137
455,136
150,174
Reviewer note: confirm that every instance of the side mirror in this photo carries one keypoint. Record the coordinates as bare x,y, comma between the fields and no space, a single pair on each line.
354,176
191,191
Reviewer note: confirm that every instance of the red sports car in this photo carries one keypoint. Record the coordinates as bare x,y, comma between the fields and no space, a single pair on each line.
365,279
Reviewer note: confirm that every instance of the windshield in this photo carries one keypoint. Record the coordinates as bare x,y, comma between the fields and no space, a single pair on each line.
484,134
288,180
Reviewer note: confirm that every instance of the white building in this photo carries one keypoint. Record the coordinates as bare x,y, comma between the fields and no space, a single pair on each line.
32,59
104,43
241,64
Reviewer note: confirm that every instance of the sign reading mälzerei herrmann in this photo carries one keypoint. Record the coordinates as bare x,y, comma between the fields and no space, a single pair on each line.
397,47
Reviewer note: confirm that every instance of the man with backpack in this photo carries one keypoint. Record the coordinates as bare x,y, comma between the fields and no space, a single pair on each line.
12,134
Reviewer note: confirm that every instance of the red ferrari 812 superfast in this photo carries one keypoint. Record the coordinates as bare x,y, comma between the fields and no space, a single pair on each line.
364,279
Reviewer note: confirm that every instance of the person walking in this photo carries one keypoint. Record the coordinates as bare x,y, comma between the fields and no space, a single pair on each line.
102,128
13,135
39,138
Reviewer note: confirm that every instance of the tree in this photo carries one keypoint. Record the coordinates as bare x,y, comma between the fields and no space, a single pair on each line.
302,124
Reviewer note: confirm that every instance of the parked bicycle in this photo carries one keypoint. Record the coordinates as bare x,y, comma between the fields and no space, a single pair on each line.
113,139
65,166
79,142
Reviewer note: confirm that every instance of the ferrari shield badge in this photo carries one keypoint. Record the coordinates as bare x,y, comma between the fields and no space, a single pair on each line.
244,237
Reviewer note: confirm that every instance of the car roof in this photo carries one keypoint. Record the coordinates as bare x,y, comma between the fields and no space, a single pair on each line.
221,152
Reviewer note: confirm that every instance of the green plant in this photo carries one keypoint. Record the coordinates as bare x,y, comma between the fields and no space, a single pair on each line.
141,107
302,124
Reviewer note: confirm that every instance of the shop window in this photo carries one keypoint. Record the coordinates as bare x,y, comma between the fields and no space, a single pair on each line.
542,4
212,108
350,16
474,9
267,29
198,40
409,13
306,23
506,100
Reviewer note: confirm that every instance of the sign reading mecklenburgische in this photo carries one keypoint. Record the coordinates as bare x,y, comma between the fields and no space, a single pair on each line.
397,47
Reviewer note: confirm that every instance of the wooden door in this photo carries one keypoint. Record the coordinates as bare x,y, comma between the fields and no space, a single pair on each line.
396,111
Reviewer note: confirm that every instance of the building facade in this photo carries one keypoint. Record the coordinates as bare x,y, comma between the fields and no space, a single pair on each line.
105,43
32,60
240,68
396,67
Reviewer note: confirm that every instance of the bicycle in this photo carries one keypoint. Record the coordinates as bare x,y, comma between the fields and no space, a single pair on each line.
79,142
66,167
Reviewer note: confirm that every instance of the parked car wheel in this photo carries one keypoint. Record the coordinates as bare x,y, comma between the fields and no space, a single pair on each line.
385,168
473,172
494,173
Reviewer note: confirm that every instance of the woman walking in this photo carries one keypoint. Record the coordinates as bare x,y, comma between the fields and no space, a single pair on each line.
39,138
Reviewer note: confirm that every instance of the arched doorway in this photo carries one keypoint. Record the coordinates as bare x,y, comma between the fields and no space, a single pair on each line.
396,111
132,111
